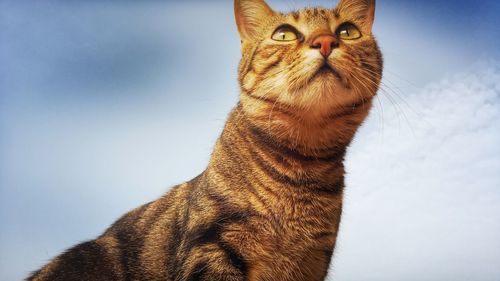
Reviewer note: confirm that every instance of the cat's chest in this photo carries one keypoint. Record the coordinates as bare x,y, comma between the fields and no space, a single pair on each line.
293,264
291,250
295,224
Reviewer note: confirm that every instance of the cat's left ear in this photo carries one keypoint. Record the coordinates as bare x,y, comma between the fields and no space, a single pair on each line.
362,11
250,15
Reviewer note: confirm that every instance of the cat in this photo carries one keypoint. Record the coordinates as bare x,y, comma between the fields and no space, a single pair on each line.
268,206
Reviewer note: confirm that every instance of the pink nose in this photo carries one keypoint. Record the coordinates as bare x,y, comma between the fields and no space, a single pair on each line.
325,43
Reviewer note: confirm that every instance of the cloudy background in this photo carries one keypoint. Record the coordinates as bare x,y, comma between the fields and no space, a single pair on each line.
106,104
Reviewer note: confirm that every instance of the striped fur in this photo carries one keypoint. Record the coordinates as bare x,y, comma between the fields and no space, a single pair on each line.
268,206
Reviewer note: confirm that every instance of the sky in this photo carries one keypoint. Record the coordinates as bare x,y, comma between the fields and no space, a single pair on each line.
104,105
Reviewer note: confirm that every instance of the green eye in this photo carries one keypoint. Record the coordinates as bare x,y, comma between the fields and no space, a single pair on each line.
285,34
348,31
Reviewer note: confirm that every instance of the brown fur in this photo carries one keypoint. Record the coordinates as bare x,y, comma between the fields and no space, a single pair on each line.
268,206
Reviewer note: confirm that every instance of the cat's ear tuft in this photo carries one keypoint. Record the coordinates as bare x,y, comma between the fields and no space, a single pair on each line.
360,10
250,14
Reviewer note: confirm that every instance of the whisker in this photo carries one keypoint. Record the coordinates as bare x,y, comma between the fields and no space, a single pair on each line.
386,90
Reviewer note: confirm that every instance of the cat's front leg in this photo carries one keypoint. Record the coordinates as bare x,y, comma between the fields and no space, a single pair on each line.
213,263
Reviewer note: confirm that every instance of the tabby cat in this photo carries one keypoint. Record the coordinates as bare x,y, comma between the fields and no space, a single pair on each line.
268,206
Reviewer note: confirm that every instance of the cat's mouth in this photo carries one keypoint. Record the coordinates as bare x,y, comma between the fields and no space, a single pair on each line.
327,69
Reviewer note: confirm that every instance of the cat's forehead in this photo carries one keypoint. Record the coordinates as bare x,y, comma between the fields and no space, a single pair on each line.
310,19
312,14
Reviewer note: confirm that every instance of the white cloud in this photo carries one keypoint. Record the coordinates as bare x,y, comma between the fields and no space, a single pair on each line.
423,193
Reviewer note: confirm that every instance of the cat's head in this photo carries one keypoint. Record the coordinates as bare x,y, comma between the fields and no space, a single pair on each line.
314,61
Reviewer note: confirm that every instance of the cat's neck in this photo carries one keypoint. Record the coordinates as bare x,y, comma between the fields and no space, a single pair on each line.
246,146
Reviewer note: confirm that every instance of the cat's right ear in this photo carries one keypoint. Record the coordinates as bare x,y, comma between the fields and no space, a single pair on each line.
250,14
362,10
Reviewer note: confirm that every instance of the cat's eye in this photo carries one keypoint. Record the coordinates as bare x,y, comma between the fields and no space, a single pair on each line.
285,33
348,31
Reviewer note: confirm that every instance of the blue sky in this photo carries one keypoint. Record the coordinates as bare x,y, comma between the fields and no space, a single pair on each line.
106,104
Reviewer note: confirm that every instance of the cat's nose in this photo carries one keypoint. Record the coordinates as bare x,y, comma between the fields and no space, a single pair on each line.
326,43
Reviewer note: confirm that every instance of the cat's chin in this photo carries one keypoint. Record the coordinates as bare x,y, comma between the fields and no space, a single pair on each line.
325,78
